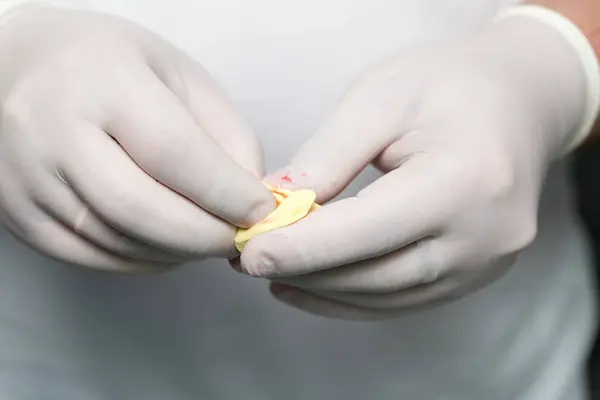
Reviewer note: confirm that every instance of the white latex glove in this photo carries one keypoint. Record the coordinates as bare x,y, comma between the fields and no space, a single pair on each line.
464,133
117,150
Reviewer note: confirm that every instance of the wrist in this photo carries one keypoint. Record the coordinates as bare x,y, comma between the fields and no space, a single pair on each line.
583,13
566,66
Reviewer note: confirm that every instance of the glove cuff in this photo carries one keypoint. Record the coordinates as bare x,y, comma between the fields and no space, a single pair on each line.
11,8
587,56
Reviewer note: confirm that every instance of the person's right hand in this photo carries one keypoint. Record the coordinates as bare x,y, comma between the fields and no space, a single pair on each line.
117,151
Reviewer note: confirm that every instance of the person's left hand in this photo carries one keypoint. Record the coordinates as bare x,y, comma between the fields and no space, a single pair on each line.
464,134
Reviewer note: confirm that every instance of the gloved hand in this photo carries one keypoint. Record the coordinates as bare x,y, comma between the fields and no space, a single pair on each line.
464,133
117,151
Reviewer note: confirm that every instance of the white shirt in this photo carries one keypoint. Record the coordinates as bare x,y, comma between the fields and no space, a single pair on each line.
205,332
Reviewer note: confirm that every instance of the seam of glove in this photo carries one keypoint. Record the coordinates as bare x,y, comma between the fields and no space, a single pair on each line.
587,55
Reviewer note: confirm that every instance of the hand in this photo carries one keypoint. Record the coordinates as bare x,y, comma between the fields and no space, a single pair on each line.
464,133
117,151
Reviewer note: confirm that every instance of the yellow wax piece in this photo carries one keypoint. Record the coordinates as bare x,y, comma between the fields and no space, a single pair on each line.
292,206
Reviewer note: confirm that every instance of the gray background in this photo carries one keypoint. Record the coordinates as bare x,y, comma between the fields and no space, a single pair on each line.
587,170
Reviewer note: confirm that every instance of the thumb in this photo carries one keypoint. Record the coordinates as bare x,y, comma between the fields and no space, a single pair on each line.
359,129
211,108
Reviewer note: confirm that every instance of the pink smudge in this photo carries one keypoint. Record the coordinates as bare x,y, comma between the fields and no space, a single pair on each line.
286,178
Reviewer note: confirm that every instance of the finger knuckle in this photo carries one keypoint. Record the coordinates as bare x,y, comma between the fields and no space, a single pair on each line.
521,236
498,178
16,110
526,235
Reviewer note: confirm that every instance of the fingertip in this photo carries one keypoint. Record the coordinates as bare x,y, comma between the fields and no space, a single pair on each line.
258,265
258,209
265,255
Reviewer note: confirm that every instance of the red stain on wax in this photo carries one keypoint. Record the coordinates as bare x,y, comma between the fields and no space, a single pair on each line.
277,201
286,178
279,192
